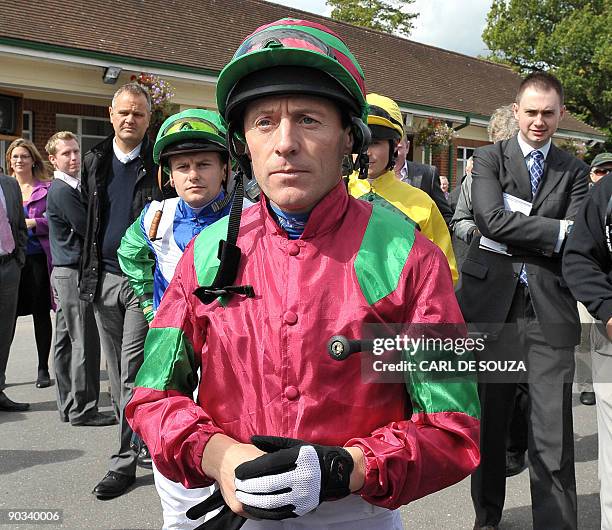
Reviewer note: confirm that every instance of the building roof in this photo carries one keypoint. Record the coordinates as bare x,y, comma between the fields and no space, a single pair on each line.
200,36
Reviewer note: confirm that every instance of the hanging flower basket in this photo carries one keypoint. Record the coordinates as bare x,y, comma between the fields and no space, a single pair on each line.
574,147
434,134
161,93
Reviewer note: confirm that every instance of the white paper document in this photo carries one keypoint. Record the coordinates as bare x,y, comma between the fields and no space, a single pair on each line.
511,204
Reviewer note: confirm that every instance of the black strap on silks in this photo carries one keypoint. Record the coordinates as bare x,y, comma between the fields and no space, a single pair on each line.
229,253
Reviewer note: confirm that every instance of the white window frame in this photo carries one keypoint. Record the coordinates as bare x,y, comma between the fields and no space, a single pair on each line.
426,155
462,160
79,131
28,134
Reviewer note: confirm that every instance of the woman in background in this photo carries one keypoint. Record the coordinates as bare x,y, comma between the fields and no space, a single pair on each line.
25,164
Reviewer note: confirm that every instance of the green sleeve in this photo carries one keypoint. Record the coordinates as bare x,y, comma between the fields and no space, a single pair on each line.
137,261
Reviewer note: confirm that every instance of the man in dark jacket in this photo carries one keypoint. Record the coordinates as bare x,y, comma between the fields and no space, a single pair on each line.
587,269
422,176
13,240
119,178
531,313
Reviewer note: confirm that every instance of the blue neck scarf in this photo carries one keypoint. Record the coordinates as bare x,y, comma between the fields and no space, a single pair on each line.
292,223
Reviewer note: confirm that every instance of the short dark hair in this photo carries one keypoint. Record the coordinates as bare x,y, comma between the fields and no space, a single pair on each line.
543,81
135,89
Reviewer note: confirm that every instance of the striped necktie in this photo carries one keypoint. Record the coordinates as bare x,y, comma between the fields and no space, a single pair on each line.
536,170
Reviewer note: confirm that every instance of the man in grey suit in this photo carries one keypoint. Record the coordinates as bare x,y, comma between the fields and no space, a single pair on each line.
77,360
13,240
422,176
522,300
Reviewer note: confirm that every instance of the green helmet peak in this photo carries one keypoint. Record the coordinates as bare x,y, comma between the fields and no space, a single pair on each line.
190,131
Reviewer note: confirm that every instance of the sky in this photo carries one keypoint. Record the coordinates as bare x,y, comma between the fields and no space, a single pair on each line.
449,24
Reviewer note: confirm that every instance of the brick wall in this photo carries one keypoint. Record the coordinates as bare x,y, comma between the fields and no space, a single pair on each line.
43,116
440,160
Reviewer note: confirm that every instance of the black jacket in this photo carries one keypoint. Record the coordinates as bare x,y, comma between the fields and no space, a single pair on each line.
489,280
587,262
67,222
96,167
14,210
427,178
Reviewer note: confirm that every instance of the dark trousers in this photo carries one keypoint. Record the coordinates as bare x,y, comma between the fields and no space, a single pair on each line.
10,273
35,299
550,430
123,329
76,360
517,434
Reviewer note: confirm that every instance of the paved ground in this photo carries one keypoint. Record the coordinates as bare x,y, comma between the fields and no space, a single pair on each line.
48,465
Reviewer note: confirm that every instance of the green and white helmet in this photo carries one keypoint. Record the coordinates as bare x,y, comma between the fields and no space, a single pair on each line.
190,131
292,56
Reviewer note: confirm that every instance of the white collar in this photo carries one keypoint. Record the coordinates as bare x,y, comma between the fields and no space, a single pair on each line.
123,157
73,182
526,149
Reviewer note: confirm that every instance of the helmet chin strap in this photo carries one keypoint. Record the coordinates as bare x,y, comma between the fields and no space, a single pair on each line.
392,154
363,137
238,152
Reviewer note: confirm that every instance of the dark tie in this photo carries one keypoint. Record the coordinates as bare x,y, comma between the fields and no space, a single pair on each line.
536,170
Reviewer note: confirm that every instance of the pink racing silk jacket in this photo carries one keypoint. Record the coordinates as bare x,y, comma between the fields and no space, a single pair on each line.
264,363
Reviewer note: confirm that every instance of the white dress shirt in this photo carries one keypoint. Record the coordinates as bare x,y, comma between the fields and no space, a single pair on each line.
123,157
73,182
526,149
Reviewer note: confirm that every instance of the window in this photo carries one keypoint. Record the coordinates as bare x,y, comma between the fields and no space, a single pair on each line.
463,153
27,133
426,154
90,131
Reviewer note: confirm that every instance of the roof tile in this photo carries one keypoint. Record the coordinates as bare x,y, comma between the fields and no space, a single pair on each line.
203,34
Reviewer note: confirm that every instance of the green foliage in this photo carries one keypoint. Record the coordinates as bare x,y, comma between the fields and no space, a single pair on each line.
384,15
571,38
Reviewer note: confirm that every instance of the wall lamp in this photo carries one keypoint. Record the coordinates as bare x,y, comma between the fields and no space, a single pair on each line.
111,74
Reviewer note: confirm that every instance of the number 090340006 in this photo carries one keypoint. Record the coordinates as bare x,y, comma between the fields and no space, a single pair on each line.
30,516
